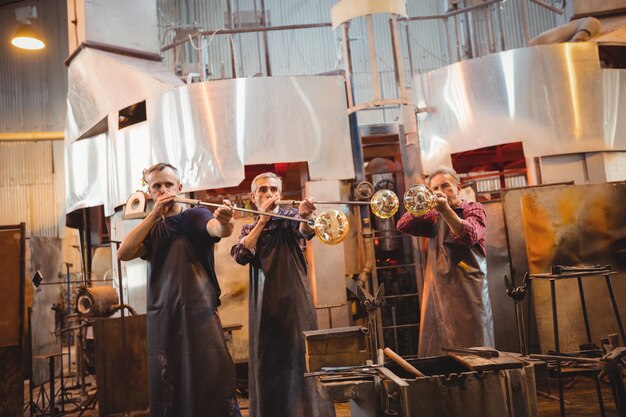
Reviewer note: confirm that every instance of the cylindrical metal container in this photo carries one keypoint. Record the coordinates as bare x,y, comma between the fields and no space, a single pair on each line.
96,301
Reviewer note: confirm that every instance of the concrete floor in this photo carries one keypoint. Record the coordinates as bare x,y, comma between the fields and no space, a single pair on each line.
580,396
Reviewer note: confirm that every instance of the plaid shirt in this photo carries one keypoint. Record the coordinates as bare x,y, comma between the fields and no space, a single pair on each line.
243,256
472,228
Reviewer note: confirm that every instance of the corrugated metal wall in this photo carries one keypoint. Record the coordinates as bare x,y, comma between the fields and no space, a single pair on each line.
33,87
426,38
539,20
315,51
27,187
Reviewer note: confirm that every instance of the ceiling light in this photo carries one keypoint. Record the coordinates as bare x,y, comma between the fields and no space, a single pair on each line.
26,36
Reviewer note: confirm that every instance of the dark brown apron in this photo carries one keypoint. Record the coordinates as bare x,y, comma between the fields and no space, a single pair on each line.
280,310
190,371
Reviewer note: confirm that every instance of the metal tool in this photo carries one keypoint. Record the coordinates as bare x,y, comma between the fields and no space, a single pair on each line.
402,362
371,304
483,353
384,203
518,294
562,269
612,364
331,227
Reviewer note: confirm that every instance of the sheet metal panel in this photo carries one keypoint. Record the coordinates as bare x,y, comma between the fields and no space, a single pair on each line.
12,252
131,25
516,243
504,324
12,285
101,82
86,173
564,168
134,272
518,261
281,119
130,152
326,264
210,131
555,98
304,119
45,256
575,225
197,128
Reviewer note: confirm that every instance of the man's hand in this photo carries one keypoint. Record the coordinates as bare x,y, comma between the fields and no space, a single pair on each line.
225,213
222,223
441,201
132,246
306,208
268,206
163,204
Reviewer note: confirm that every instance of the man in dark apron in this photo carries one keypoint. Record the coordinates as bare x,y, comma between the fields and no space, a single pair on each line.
190,372
455,311
280,307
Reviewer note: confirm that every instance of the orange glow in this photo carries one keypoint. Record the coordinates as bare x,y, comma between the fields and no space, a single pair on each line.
27,37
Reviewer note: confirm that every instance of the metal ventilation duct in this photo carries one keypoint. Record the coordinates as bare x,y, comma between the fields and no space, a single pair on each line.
210,131
554,98
100,83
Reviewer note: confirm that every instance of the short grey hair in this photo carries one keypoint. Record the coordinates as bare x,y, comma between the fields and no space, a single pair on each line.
254,187
445,170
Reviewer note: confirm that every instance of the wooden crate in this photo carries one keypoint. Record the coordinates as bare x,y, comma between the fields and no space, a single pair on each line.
344,346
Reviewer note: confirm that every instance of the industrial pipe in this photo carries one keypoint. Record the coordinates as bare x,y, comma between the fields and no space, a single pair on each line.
18,136
579,30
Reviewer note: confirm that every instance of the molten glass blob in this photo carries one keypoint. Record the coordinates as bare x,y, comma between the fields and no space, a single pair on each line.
331,227
419,200
384,204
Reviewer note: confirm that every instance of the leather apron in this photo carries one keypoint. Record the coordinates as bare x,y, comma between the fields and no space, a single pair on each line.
280,309
455,310
190,371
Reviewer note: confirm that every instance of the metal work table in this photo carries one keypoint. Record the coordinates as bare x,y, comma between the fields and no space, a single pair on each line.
578,275
52,394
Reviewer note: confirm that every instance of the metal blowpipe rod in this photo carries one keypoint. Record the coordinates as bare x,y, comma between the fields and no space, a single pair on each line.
384,203
296,202
204,203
